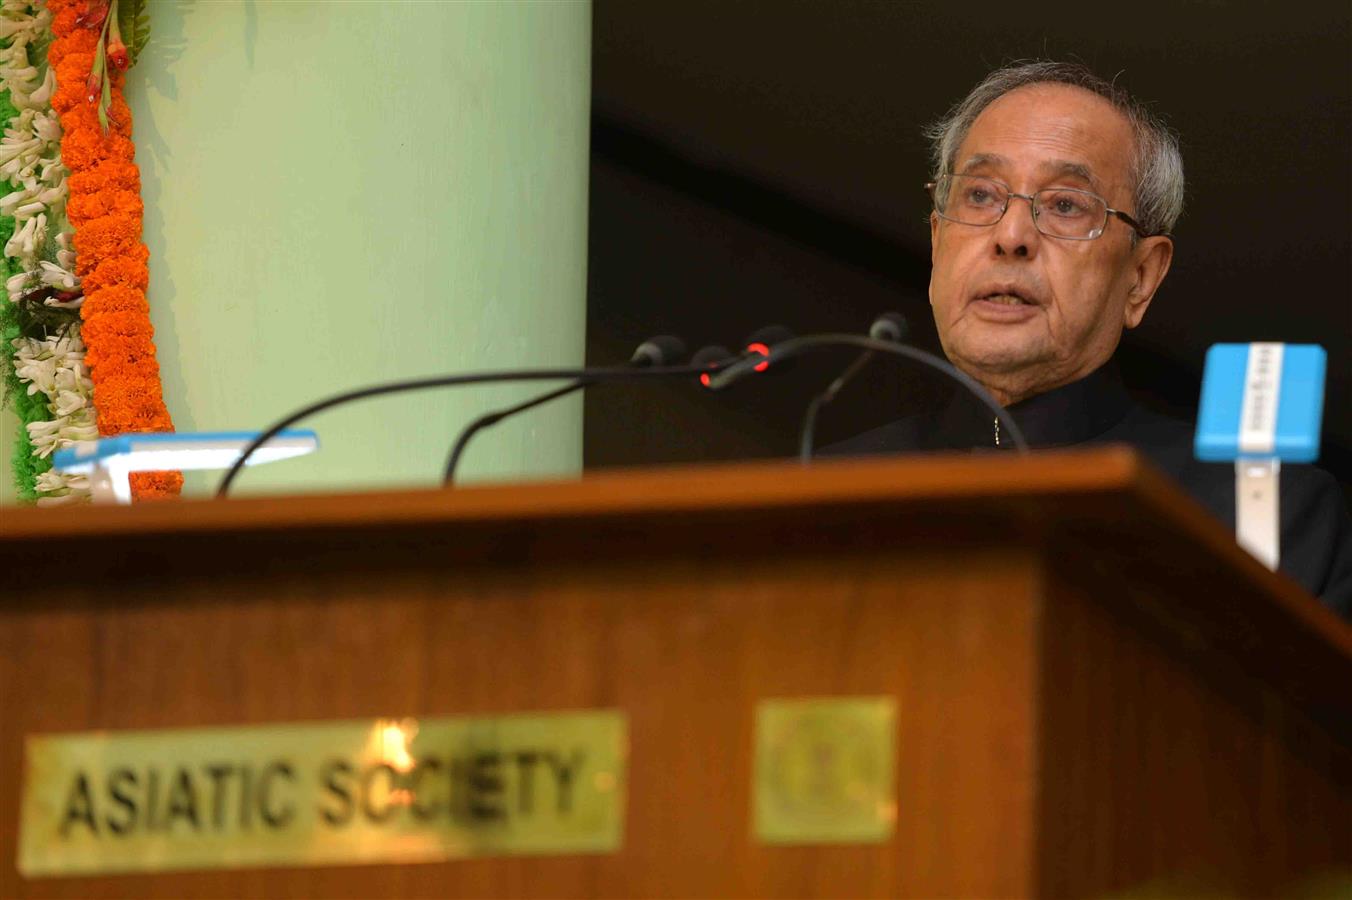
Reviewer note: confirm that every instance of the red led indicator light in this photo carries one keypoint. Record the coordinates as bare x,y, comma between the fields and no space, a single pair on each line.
704,379
763,350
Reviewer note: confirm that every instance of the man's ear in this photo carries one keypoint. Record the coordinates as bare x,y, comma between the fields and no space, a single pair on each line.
934,252
1150,263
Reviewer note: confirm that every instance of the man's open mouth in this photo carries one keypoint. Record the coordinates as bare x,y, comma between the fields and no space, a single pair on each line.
1007,298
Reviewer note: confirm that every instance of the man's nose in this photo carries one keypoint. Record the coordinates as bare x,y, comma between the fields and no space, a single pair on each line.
1015,234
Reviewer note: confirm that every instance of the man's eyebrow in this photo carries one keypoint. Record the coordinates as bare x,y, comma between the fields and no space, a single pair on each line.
978,160
1066,167
1054,167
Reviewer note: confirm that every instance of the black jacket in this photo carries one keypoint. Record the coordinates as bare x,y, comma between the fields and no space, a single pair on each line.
1316,536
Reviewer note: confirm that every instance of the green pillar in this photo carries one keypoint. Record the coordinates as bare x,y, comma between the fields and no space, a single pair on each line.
345,193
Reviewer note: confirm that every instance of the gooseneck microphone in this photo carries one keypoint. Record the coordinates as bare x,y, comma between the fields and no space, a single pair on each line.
761,341
596,375
711,358
660,351
795,346
890,326
757,344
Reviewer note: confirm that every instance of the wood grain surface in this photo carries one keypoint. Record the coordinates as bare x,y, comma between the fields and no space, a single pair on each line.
1096,690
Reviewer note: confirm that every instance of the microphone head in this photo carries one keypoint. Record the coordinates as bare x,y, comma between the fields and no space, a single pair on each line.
662,350
762,339
890,326
712,357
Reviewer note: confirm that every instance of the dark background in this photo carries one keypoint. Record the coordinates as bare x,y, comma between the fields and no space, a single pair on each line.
761,162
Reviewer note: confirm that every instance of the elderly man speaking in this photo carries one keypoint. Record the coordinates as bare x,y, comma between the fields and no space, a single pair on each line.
1054,194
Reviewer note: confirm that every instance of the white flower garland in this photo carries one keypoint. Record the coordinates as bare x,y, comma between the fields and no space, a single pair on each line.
30,163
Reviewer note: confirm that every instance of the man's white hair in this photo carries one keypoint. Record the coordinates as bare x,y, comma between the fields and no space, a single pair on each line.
1156,164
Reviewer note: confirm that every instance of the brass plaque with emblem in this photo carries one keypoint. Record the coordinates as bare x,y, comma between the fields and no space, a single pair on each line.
825,770
325,793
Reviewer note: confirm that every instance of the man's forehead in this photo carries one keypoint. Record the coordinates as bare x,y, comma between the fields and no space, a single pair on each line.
1060,129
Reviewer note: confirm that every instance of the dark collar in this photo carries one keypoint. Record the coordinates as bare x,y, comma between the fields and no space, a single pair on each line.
1071,414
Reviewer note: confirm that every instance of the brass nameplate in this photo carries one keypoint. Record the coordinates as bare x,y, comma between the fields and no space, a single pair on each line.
327,793
825,770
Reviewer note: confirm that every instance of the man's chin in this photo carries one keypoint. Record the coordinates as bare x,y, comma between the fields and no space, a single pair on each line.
995,359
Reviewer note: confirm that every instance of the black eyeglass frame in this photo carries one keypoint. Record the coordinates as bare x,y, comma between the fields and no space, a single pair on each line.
931,186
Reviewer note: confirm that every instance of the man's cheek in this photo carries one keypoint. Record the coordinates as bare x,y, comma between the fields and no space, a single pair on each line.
940,292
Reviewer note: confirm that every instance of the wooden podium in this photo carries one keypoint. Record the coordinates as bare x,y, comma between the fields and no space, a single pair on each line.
1096,692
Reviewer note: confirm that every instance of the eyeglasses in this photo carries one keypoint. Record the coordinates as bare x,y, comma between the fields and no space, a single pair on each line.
1065,213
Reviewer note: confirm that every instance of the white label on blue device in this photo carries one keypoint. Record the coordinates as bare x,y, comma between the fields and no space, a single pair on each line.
1258,409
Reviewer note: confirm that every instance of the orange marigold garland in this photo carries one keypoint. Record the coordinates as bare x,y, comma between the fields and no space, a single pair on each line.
105,210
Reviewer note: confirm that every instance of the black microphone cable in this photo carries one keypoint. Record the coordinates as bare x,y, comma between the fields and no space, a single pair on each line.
597,375
659,351
890,326
487,420
795,346
663,350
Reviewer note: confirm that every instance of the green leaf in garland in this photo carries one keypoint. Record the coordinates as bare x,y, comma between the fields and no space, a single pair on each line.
133,20
96,73
24,466
104,102
99,87
38,321
141,36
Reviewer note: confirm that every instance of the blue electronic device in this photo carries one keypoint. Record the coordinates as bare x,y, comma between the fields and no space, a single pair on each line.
1262,401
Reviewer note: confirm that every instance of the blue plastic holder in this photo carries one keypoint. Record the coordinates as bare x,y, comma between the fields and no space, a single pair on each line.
1261,401
1262,405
